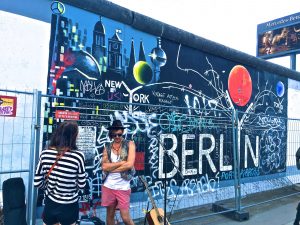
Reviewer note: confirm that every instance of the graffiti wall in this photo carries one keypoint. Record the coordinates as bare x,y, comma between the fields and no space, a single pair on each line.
174,99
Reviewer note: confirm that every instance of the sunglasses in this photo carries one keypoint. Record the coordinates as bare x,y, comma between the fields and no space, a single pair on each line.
116,135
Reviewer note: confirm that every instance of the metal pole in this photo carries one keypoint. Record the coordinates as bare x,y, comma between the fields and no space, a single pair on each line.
236,157
34,152
165,185
293,61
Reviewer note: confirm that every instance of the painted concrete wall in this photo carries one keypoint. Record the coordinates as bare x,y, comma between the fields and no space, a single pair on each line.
192,65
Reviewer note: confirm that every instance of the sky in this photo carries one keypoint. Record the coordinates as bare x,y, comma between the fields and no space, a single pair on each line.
232,23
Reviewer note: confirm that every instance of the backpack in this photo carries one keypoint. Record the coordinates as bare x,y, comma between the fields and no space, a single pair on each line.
14,207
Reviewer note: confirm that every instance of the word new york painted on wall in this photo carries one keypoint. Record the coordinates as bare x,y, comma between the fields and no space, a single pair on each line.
174,99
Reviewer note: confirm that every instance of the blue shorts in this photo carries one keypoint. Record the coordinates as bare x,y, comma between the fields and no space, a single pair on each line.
65,214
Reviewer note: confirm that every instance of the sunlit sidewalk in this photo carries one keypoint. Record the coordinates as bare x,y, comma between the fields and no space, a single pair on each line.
277,212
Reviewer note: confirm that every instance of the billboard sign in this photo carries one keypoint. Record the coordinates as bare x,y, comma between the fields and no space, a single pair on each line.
278,37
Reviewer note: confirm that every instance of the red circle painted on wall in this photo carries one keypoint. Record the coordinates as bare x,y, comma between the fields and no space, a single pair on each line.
240,85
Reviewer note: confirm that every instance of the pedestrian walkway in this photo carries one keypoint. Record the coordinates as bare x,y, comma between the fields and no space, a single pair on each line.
277,212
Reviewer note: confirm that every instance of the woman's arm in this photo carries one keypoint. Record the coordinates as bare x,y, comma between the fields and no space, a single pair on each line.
108,166
39,179
127,165
81,177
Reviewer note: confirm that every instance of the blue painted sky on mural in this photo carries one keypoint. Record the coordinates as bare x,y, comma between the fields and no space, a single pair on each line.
232,22
87,20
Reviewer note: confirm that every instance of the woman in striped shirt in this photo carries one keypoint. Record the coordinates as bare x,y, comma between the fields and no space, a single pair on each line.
61,173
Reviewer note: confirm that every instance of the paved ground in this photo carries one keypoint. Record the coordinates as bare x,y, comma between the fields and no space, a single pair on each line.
277,212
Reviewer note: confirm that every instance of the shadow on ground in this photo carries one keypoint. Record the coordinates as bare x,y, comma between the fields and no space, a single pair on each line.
262,211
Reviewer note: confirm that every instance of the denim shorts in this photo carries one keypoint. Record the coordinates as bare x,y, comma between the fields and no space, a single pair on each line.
65,214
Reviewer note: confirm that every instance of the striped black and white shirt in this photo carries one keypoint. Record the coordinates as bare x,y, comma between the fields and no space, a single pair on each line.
66,178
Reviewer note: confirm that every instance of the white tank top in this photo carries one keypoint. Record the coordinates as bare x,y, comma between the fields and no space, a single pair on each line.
114,180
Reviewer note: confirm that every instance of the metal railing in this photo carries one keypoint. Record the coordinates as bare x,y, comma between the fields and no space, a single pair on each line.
225,156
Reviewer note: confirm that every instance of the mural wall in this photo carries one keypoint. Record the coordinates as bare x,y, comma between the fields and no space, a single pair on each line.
175,97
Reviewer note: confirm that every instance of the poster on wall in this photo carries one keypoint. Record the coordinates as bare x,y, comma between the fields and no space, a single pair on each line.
8,106
66,115
173,98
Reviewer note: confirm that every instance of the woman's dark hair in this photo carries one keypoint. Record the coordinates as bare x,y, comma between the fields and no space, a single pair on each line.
65,136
